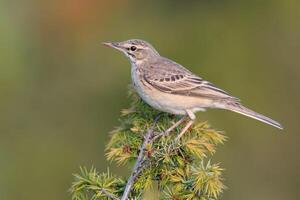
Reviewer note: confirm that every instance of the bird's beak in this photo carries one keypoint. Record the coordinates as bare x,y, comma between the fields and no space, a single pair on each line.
114,45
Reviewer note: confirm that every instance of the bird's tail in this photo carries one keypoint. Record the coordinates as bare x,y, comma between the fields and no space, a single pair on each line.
238,108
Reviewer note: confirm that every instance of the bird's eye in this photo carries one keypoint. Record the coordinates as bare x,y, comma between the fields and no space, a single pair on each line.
133,48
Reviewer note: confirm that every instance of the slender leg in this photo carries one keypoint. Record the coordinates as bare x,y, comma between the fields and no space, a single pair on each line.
169,129
174,125
188,125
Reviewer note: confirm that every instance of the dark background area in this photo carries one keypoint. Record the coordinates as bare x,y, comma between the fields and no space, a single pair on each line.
61,91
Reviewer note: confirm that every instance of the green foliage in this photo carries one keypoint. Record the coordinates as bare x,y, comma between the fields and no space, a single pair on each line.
181,169
90,185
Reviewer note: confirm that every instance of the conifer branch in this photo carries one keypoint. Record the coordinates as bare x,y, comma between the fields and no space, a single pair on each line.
138,166
182,169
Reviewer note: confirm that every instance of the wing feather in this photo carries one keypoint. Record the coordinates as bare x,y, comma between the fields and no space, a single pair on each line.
170,77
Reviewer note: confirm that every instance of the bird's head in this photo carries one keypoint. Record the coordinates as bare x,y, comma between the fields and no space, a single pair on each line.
136,50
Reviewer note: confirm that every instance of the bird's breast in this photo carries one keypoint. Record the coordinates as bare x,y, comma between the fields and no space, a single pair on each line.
175,104
144,90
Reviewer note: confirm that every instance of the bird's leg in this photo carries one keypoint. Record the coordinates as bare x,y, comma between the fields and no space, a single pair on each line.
175,125
169,129
188,125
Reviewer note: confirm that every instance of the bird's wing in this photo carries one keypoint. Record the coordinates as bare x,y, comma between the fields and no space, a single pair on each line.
170,77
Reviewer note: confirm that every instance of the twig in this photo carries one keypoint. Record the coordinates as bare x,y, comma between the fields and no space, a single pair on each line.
109,195
138,165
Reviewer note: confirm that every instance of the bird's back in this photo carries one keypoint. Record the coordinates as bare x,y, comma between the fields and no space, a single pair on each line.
171,77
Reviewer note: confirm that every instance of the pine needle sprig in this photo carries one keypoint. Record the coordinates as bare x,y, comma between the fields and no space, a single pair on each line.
181,169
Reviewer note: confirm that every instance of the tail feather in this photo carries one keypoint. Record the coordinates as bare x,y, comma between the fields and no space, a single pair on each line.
238,108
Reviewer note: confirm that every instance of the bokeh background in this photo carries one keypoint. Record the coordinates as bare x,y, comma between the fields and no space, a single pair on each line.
61,90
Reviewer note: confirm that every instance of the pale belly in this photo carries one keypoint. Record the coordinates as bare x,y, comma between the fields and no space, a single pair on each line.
170,103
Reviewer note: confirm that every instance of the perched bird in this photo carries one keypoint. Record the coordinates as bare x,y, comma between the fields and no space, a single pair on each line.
169,87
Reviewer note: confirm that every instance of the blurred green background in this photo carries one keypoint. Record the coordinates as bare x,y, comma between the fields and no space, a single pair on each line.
61,90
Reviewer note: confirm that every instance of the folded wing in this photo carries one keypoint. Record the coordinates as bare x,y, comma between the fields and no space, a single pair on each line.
170,77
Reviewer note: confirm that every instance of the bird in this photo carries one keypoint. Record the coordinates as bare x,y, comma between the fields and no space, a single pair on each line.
169,87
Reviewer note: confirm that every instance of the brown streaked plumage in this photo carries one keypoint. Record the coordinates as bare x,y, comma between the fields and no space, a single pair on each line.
169,87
